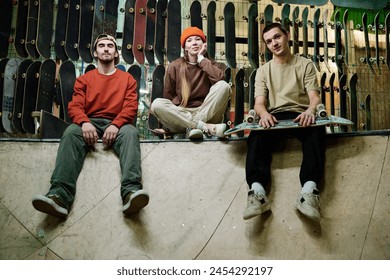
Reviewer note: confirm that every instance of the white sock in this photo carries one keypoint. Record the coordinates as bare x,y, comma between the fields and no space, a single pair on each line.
308,187
257,188
200,125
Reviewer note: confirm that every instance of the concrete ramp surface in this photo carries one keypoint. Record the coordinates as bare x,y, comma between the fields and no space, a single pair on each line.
198,193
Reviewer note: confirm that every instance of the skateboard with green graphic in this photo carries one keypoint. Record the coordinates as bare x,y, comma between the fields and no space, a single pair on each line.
174,30
361,4
128,32
305,43
19,95
45,27
9,85
230,34
60,29
85,33
72,30
159,44
295,23
196,14
338,57
31,32
285,19
211,29
268,18
252,123
21,28
316,35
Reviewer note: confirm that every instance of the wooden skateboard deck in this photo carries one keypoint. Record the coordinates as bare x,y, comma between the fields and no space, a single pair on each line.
139,31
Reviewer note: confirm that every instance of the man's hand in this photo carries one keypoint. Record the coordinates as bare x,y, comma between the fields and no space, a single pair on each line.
110,135
89,133
306,118
267,120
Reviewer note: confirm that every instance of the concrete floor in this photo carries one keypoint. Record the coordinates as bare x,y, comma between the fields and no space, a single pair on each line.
198,193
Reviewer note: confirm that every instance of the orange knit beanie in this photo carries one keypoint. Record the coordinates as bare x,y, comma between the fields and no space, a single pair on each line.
191,31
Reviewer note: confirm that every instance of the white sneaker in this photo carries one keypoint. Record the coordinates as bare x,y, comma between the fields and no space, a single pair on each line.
309,205
50,205
194,134
214,129
135,201
257,204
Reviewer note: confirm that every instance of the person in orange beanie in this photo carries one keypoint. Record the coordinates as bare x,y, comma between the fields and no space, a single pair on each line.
195,93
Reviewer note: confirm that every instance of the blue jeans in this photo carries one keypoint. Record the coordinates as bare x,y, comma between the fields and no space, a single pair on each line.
73,150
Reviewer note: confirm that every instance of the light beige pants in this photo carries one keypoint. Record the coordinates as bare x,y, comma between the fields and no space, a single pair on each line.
177,119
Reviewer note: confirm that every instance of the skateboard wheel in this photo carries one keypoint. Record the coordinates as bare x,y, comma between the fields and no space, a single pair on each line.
220,17
246,84
131,10
36,3
187,16
139,47
249,119
244,53
32,42
144,118
19,115
10,115
150,47
141,10
122,10
152,11
362,59
75,45
101,8
128,46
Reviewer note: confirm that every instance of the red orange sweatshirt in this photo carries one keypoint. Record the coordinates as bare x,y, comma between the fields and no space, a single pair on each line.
112,97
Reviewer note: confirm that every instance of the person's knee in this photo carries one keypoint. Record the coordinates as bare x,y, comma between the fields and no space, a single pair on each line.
72,130
157,106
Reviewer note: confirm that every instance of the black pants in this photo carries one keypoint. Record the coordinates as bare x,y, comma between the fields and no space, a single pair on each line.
261,145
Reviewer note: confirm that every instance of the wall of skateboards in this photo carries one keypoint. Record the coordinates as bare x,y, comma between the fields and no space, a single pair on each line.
46,44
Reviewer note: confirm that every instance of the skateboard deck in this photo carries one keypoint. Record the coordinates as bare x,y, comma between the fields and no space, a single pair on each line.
51,127
305,45
302,2
285,20
325,35
45,27
21,28
367,59
3,63
377,50
30,96
288,124
10,74
110,17
253,36
361,4
211,31
157,92
139,31
85,33
19,95
159,44
32,26
239,99
150,31
98,19
331,93
268,19
323,88
367,106
174,30
316,35
6,9
296,23
230,34
136,71
72,30
196,14
60,29
346,43
46,85
352,88
67,77
337,29
128,32
89,68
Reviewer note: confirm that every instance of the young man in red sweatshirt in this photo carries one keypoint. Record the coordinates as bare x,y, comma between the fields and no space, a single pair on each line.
103,106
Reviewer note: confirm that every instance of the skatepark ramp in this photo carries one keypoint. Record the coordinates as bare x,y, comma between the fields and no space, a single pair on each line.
198,193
